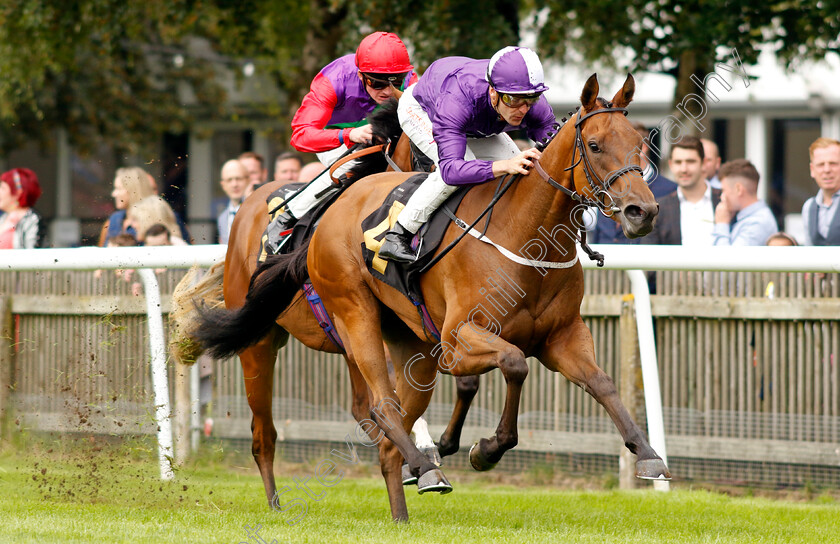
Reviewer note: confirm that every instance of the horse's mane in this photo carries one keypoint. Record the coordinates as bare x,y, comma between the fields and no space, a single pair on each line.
384,122
385,127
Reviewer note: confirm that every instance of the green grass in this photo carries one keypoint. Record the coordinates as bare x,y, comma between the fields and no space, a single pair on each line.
110,493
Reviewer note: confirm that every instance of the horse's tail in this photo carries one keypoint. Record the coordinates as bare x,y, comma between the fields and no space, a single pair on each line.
273,286
183,319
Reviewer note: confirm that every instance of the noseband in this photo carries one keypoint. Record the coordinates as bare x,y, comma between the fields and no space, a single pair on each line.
599,187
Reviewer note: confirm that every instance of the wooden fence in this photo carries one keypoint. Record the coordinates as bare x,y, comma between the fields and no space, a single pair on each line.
748,370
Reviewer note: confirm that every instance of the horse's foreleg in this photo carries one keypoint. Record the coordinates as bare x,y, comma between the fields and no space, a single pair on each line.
258,371
450,440
482,355
572,353
487,452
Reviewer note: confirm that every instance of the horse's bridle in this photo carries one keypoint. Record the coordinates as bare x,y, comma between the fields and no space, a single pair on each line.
602,186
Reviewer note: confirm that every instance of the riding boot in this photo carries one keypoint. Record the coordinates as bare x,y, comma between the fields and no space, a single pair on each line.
278,231
397,245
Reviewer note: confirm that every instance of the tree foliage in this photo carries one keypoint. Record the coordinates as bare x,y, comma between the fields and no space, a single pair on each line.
685,37
121,72
439,28
83,66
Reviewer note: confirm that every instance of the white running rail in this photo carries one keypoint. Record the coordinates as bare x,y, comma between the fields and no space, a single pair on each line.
144,259
632,258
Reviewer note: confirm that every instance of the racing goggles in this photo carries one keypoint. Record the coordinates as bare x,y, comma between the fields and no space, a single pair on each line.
519,100
377,82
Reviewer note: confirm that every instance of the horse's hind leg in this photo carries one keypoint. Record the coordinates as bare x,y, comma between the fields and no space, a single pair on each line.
416,371
390,463
258,372
450,440
390,459
358,320
571,352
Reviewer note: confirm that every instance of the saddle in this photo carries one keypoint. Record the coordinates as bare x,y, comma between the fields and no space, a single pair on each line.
304,227
406,277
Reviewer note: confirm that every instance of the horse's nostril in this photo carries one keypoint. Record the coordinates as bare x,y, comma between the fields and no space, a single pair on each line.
638,213
634,212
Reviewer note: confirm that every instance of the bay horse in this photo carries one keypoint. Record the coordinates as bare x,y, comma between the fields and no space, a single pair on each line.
485,324
227,285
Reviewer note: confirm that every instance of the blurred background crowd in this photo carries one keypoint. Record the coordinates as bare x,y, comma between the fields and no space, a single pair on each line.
149,123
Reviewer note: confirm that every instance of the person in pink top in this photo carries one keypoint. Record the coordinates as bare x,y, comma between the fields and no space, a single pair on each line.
20,225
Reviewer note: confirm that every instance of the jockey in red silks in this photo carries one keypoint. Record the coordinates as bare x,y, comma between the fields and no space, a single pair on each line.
458,115
332,116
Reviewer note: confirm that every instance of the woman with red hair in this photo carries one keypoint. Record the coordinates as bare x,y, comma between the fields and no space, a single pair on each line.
20,225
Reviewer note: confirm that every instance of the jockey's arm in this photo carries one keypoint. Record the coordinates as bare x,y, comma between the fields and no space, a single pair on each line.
316,109
450,134
450,131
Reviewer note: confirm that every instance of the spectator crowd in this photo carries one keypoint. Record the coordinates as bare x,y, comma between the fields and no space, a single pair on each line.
708,203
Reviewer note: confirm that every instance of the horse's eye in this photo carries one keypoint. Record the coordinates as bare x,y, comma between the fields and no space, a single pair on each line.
594,147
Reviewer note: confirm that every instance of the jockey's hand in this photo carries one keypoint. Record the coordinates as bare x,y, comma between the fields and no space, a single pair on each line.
518,164
361,135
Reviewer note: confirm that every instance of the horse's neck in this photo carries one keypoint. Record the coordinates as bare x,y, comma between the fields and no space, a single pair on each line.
541,210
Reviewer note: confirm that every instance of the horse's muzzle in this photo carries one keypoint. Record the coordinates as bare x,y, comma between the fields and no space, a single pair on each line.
637,219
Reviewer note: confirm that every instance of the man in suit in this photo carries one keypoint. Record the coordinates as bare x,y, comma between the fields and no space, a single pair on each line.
287,166
607,231
254,164
687,215
822,222
235,180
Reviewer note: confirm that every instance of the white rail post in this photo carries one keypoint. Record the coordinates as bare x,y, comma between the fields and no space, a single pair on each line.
650,368
143,259
160,383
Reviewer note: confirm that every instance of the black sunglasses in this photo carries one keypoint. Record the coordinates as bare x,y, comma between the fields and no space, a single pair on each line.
378,82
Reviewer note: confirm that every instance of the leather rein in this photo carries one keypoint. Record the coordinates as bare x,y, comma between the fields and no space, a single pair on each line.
599,187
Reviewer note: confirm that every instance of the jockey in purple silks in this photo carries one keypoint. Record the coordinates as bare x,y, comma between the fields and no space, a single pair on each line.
458,115
332,116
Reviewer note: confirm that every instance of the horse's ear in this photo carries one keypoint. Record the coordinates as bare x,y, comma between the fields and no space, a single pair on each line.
623,97
589,96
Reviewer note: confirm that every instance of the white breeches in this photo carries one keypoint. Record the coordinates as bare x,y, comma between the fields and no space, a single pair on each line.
434,191
307,200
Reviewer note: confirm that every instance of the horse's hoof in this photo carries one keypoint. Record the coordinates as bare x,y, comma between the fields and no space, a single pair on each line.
652,469
407,477
478,461
274,502
447,448
433,480
432,455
